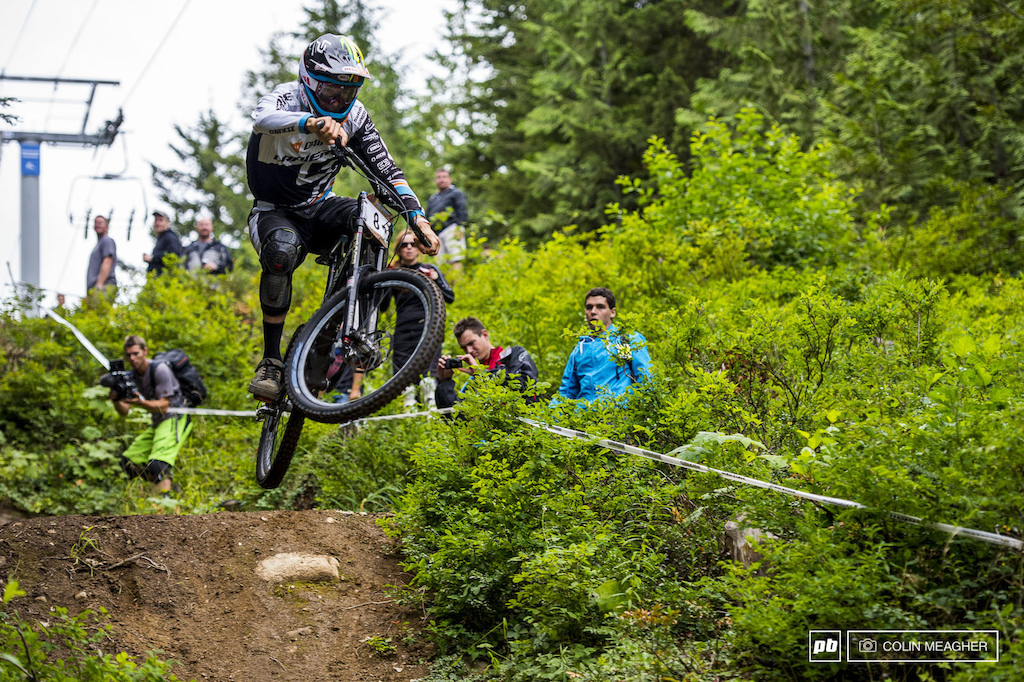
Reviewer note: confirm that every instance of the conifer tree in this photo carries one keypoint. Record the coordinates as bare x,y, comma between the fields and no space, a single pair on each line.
562,99
211,176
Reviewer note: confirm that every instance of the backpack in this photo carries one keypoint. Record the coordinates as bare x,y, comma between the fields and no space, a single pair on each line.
192,387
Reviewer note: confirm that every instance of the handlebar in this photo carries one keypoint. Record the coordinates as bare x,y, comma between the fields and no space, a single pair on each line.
350,159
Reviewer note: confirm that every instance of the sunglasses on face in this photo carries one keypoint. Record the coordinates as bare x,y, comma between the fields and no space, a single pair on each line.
407,245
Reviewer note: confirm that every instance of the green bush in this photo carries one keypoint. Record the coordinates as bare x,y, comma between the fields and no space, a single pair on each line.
68,649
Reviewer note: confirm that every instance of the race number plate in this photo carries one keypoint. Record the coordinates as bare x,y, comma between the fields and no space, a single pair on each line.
377,220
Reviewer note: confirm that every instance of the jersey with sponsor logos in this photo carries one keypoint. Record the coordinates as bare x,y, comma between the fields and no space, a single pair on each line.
292,169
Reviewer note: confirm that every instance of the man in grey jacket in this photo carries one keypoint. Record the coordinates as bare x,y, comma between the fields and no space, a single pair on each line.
206,253
449,201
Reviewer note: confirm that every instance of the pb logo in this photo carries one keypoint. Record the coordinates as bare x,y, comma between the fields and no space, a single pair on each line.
823,646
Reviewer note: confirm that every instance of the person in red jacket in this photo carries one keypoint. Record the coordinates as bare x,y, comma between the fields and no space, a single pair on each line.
482,357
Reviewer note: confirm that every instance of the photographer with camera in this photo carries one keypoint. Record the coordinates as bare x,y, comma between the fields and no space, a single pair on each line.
153,387
482,357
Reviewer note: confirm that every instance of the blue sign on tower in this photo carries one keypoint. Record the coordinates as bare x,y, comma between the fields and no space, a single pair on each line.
30,158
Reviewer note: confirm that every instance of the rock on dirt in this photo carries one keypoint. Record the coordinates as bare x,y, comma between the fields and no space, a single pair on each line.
298,566
188,585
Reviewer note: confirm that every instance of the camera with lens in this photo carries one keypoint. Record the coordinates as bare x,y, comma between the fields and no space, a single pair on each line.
452,363
121,380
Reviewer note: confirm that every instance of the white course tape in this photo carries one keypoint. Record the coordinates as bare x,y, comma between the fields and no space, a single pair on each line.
100,357
218,413
982,535
406,415
985,536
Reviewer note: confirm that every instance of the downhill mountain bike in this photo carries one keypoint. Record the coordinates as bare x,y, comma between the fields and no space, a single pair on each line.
351,334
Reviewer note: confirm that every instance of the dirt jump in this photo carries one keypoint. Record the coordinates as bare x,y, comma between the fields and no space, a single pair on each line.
203,590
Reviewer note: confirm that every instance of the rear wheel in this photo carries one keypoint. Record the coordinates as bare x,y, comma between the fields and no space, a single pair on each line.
278,441
320,358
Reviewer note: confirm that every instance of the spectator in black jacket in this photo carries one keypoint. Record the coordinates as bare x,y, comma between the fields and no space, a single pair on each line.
483,357
206,253
166,242
409,325
448,201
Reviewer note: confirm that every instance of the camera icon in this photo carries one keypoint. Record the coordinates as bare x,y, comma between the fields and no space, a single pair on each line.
867,646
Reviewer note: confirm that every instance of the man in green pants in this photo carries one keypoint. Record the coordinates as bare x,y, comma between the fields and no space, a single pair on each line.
154,451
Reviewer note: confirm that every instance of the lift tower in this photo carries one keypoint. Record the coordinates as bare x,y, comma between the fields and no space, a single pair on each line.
30,166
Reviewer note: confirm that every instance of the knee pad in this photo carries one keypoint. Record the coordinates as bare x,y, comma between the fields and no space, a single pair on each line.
279,258
282,253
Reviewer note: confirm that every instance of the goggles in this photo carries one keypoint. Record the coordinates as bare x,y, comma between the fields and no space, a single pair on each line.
336,98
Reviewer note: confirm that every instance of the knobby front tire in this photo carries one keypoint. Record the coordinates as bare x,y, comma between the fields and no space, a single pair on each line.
309,361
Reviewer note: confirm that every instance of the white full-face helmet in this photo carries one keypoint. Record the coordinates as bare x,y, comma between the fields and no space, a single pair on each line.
331,71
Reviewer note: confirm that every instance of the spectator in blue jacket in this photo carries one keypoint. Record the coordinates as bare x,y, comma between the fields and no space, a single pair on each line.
605,363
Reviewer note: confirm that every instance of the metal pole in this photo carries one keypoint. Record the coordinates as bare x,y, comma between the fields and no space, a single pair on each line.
30,214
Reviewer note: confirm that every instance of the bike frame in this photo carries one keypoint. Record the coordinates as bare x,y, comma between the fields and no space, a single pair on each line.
374,229
352,257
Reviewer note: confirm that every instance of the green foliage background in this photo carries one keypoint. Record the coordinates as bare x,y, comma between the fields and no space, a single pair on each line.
787,348
812,213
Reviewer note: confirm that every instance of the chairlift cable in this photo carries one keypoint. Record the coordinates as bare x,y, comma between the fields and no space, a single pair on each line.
74,41
17,40
67,57
152,58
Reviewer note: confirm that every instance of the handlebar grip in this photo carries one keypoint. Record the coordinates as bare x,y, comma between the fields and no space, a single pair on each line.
419,233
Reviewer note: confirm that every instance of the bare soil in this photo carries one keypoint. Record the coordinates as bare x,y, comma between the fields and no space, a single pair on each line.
186,585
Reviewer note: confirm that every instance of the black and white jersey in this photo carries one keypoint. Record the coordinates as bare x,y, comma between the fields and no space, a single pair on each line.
288,168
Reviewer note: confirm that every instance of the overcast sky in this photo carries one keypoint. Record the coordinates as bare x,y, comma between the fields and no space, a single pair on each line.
174,60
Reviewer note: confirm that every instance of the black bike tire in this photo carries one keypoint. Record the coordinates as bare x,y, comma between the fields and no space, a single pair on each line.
271,466
272,462
430,340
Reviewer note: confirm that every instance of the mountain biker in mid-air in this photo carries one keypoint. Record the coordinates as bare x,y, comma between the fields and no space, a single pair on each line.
291,168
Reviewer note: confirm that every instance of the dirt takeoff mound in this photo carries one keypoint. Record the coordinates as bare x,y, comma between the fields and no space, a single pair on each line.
190,586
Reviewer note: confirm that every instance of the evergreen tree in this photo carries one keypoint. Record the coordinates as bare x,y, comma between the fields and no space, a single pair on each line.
928,94
213,178
4,103
917,96
562,99
778,55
